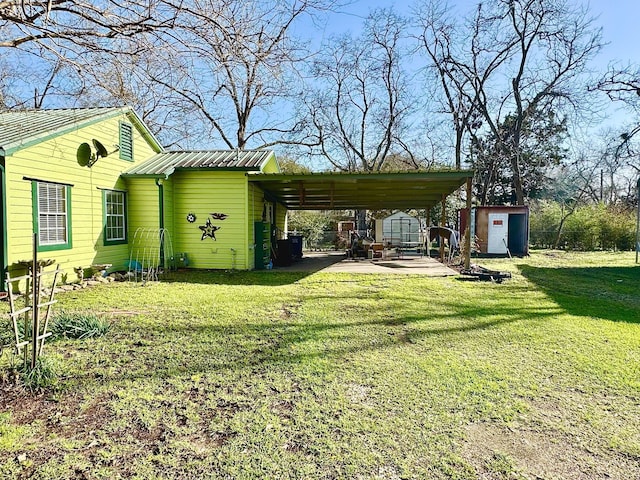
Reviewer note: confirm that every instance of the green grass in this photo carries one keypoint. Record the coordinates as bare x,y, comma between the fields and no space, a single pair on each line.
284,375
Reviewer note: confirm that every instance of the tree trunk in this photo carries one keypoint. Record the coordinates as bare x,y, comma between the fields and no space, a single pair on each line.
361,221
562,220
517,180
459,134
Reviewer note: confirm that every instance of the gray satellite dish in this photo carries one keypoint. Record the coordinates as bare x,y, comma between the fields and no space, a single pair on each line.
85,155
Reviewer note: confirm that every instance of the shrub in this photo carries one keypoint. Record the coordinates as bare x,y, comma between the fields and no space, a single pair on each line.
582,229
589,227
617,229
544,220
79,325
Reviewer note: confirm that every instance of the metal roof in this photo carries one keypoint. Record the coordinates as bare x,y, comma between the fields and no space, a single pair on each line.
165,163
23,128
374,191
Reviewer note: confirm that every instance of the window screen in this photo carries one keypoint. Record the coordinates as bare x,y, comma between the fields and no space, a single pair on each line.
115,217
52,214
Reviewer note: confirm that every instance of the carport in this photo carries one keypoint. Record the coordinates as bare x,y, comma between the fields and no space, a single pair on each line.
365,191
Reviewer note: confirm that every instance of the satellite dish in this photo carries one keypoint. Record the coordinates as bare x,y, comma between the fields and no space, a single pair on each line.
85,156
101,150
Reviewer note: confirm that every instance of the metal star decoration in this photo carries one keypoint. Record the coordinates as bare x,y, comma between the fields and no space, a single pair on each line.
208,230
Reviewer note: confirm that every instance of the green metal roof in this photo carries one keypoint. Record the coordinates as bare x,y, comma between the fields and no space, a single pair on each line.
373,191
22,128
165,163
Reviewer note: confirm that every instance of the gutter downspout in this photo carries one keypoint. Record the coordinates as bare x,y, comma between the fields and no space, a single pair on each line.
160,184
3,221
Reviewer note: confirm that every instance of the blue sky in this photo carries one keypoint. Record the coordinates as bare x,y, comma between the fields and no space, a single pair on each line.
619,19
620,23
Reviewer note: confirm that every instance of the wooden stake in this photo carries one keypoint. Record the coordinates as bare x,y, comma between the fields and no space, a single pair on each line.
35,284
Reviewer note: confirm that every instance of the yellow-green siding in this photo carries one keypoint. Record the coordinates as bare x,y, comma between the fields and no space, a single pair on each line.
203,193
144,211
169,214
271,165
54,160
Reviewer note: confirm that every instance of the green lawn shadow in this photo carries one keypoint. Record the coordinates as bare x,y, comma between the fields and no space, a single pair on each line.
276,277
260,345
610,293
236,277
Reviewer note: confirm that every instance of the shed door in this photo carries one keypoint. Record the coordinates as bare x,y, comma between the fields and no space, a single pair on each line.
498,233
518,234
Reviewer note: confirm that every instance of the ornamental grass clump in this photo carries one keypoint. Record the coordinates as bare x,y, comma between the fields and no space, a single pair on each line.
42,377
79,325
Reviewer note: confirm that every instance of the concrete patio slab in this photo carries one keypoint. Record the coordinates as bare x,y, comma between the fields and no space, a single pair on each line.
337,262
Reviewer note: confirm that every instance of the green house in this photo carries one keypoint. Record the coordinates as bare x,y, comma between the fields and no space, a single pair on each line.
95,187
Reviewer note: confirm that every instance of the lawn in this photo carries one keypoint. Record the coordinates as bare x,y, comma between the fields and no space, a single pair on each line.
328,376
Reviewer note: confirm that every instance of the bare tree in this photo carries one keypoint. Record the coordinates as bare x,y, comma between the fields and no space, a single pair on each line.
622,85
233,66
31,80
620,163
541,47
207,69
360,102
441,42
571,187
56,24
7,78
48,44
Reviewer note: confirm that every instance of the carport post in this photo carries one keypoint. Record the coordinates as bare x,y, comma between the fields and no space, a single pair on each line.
467,238
427,240
443,221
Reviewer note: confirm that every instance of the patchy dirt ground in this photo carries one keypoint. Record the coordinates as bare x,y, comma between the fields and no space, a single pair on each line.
523,453
517,452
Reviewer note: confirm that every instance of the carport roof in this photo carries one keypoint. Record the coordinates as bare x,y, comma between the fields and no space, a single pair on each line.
373,191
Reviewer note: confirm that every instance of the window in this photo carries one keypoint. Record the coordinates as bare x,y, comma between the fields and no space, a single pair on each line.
52,215
126,141
115,221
